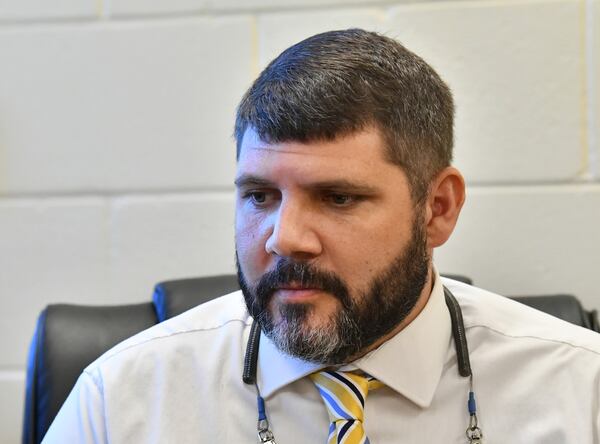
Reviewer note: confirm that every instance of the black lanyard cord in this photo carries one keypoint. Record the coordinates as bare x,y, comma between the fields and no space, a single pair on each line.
459,334
251,356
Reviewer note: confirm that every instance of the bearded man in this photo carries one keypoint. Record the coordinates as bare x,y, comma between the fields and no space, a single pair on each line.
344,188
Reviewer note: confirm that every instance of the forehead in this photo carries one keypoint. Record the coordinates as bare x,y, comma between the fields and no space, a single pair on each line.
359,156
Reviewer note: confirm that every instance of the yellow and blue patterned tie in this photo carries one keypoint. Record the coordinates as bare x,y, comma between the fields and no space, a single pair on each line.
344,395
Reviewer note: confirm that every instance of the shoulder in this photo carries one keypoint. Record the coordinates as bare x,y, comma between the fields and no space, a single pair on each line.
224,317
183,362
497,315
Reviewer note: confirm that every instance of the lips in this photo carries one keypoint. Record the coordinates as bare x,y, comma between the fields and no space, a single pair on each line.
292,293
295,287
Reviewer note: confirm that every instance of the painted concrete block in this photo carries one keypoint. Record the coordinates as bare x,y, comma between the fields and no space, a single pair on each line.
139,7
53,250
278,31
169,237
529,240
18,10
12,388
517,82
139,105
291,4
593,23
144,7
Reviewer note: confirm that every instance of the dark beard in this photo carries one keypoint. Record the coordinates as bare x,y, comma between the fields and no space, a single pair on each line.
360,321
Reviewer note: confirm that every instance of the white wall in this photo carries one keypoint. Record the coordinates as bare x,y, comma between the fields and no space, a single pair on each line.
116,157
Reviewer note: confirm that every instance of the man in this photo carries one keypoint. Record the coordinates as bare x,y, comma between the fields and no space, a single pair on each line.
344,188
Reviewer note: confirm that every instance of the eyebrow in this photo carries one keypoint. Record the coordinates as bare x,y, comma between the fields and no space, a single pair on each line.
246,180
335,184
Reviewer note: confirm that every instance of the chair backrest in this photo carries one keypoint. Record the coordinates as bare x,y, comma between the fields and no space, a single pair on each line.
564,306
174,297
68,338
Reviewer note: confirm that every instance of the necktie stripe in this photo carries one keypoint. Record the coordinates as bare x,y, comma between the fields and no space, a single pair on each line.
354,434
332,439
344,395
331,429
342,432
351,385
341,392
335,404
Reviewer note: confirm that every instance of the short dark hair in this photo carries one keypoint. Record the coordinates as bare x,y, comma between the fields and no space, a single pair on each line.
338,82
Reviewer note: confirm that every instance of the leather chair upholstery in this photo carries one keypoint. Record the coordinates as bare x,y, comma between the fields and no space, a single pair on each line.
174,297
69,337
564,306
66,340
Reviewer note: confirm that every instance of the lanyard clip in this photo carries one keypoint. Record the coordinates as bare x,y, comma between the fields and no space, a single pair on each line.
475,440
474,434
265,436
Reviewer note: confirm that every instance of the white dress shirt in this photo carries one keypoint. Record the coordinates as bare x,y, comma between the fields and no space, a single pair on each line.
536,379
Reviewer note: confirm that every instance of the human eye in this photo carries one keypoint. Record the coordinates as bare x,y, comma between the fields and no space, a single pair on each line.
258,198
341,199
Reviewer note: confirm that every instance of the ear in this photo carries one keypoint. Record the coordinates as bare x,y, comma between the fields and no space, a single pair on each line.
445,200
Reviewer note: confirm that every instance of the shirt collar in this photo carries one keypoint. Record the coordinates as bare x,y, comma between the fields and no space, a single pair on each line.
410,363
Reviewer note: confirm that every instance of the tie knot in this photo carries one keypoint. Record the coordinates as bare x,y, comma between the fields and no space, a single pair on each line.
344,393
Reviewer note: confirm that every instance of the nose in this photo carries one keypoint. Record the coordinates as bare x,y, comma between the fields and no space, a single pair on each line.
293,233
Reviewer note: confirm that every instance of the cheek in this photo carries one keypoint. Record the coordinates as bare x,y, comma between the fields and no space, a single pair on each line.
250,247
360,252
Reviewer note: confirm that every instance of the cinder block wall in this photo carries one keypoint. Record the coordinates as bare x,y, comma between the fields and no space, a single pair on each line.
116,156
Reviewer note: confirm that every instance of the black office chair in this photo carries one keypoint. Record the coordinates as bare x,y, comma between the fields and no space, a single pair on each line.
69,337
564,306
174,297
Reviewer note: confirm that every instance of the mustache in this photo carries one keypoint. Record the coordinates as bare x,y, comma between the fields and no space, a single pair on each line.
301,274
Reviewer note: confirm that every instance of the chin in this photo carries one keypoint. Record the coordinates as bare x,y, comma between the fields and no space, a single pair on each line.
310,315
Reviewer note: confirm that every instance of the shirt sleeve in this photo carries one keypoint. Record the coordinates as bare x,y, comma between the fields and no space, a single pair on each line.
81,418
